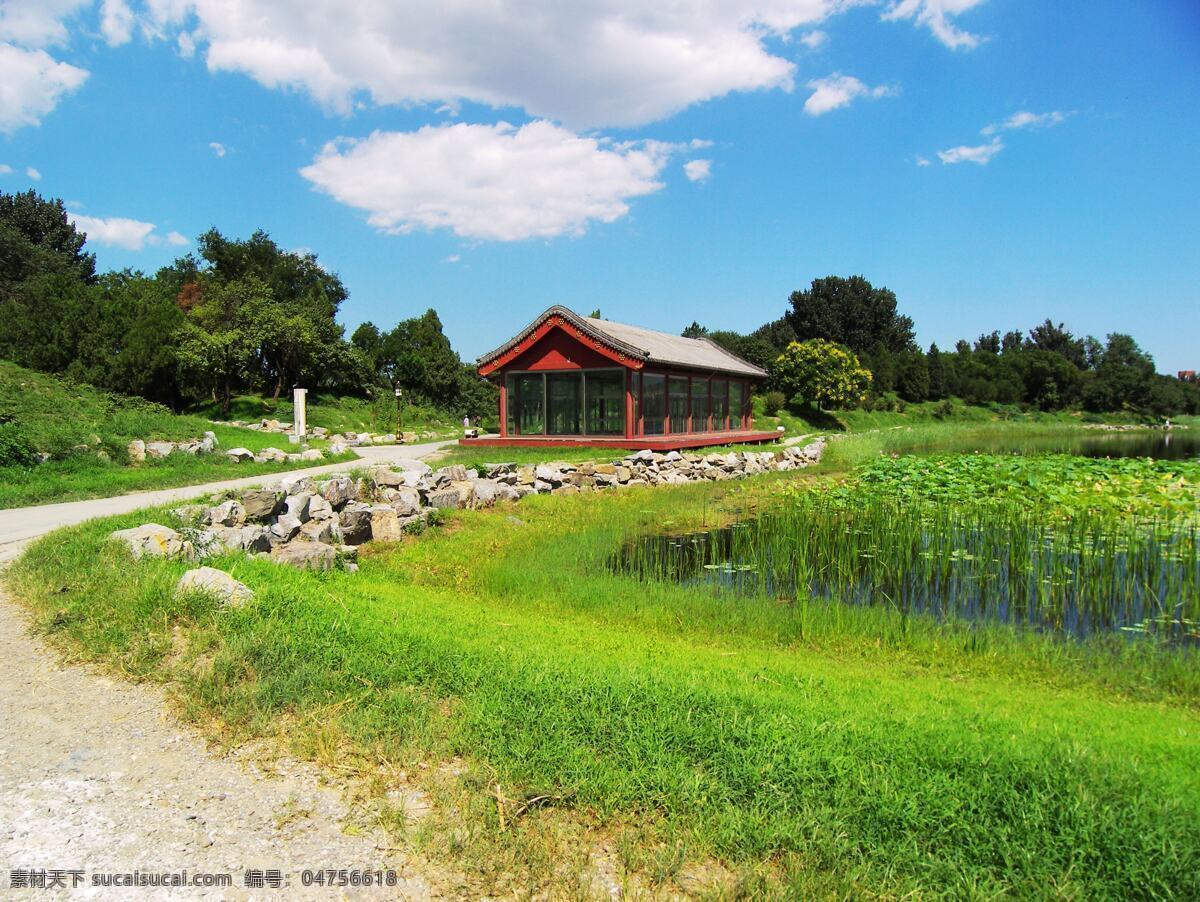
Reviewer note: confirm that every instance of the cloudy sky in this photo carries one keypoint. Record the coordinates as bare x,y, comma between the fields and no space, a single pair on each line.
994,162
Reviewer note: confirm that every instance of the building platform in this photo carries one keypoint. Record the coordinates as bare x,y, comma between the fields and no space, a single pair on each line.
619,442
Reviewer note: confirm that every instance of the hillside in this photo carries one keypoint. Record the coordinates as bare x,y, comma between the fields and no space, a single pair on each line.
62,441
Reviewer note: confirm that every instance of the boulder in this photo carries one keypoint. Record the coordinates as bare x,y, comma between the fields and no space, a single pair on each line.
408,463
153,540
211,438
284,528
320,509
338,490
409,438
318,432
385,524
405,501
298,505
336,448
306,555
547,473
526,476
216,583
483,492
270,455
325,531
355,522
445,499
159,449
239,455
388,439
227,513
506,492
260,504
256,537
312,454
136,451
295,485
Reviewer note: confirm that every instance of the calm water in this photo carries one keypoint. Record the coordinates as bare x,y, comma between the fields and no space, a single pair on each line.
1178,444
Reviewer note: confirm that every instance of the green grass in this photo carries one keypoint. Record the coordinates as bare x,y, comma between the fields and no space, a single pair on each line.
778,750
74,423
336,414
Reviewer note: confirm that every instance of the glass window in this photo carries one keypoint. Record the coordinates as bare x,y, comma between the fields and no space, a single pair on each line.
510,396
654,393
700,405
735,405
677,395
720,404
564,400
605,394
531,404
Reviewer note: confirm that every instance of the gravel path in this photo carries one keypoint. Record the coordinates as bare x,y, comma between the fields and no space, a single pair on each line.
97,777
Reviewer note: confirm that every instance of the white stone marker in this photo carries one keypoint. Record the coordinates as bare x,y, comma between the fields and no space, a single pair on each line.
299,415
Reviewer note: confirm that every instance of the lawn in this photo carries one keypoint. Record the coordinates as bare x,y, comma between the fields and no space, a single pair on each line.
556,710
86,432
341,414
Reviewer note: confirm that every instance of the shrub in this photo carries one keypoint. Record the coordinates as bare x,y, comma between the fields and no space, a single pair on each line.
16,450
943,409
775,402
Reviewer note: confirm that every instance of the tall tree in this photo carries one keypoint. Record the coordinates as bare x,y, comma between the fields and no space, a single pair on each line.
850,312
820,373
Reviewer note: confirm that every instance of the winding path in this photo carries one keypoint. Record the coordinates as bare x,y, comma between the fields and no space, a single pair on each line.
97,776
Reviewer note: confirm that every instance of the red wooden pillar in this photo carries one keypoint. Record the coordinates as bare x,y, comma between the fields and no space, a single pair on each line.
629,424
503,406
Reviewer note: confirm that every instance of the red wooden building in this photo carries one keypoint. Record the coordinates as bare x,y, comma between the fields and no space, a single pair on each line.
567,379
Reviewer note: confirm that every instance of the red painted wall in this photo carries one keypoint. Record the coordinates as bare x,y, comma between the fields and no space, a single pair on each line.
559,351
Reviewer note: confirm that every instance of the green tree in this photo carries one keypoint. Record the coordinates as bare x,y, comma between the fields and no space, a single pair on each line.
850,312
821,373
218,345
695,330
912,378
939,379
37,238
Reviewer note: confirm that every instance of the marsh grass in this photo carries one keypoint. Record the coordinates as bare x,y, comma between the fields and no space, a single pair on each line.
819,751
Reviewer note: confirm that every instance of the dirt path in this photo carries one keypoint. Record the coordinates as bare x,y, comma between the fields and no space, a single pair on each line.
95,775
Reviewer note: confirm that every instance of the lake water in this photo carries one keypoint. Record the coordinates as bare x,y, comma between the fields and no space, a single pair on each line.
1162,444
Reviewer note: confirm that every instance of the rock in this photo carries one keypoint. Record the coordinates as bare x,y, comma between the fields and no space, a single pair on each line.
363,438
324,531
405,501
547,473
159,449
356,524
336,448
305,555
284,528
260,504
206,445
320,509
312,454
217,583
295,485
408,463
526,476
338,490
623,474
318,432
409,438
239,455
507,492
385,525
228,513
153,540
211,438
483,492
388,439
297,506
347,552
445,499
190,514
270,455
102,456
136,451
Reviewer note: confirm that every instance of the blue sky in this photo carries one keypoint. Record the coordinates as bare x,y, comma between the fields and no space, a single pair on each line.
994,162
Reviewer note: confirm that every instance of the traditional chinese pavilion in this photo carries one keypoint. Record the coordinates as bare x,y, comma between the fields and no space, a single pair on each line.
567,379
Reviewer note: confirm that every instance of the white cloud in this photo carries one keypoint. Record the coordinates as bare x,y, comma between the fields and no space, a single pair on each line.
981,153
492,182
31,84
923,161
175,239
116,22
938,17
453,258
622,62
130,234
838,90
814,39
37,23
698,170
218,148
1026,119
33,173
5,169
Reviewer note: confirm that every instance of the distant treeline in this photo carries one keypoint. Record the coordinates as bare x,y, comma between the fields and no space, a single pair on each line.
1046,368
238,316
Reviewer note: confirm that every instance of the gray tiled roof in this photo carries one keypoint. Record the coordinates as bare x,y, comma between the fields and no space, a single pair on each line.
643,344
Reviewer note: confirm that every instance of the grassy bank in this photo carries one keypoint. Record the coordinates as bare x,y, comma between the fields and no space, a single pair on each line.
692,742
343,414
86,432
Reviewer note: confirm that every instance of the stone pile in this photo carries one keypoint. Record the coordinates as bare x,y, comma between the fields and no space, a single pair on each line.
274,455
138,450
317,523
349,439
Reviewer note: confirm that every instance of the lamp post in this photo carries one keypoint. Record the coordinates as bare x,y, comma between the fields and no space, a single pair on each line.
399,409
